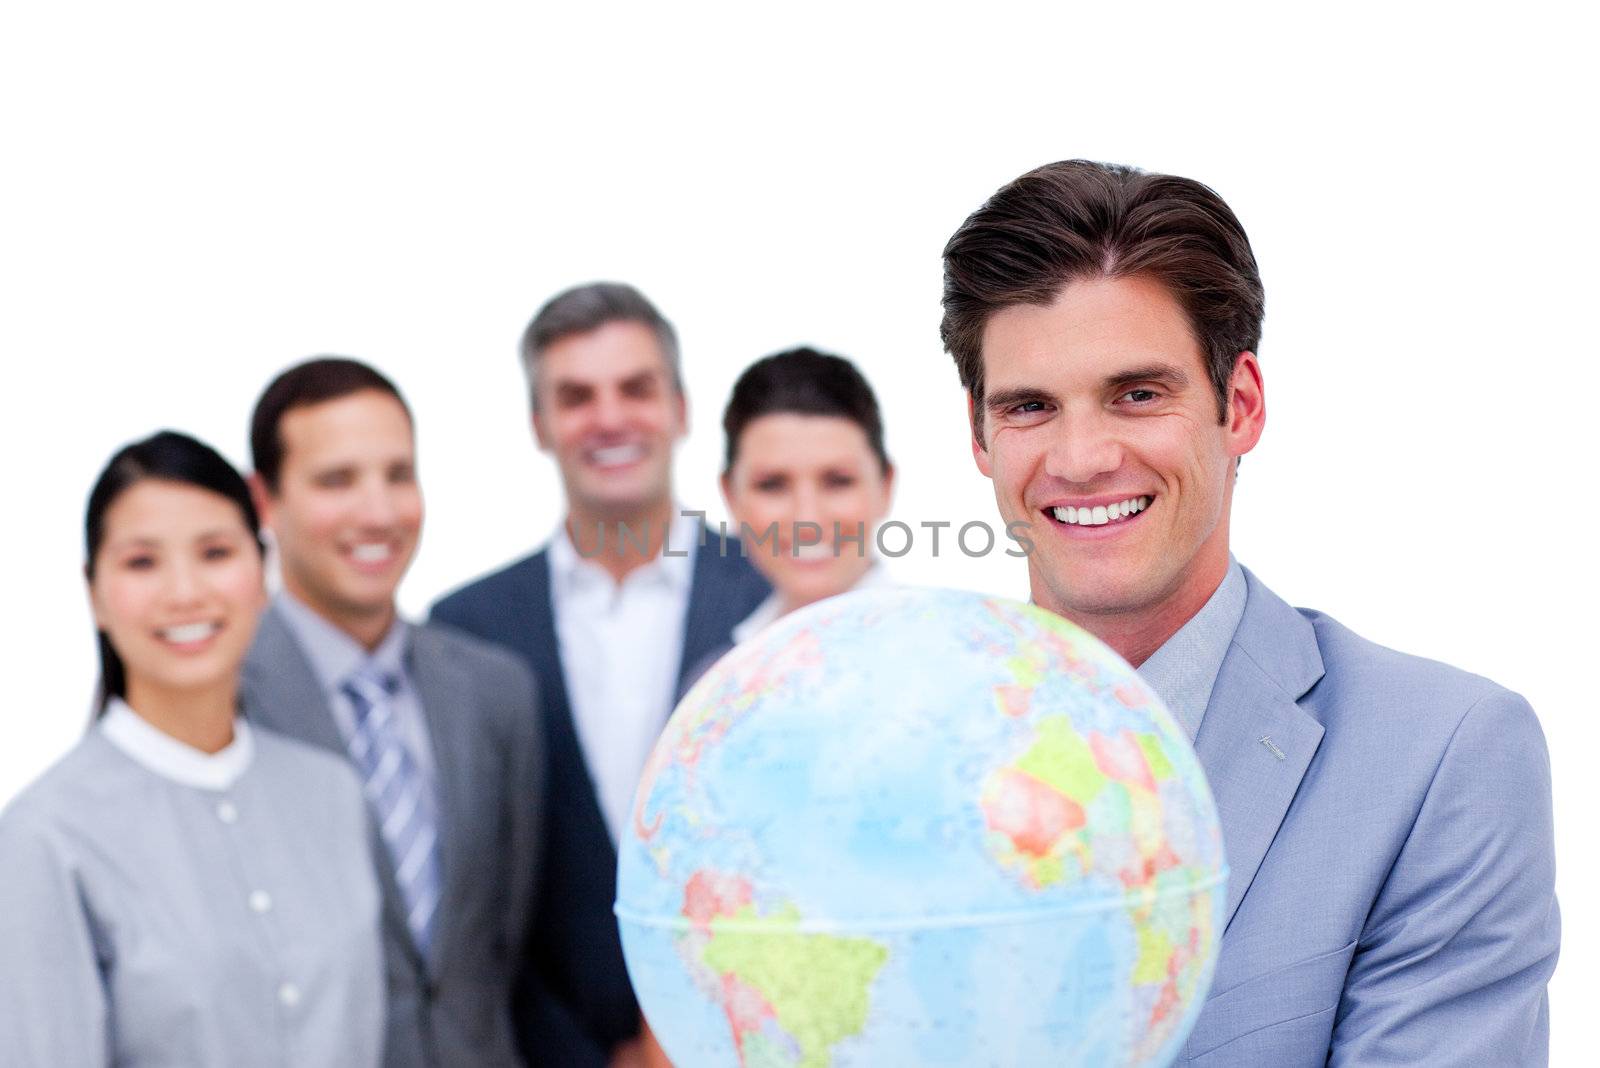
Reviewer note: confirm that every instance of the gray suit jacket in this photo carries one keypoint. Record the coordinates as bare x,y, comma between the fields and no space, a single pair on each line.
483,720
1387,824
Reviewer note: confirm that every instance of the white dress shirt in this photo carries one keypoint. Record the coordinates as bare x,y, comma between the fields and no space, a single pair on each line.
771,610
621,648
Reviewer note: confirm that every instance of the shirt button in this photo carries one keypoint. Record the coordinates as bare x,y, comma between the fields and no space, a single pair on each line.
260,901
288,995
227,812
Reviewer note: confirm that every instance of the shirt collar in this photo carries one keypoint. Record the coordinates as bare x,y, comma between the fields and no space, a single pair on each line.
571,570
771,609
155,749
1184,670
333,654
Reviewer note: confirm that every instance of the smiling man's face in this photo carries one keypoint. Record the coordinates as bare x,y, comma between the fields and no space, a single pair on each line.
347,511
609,412
1100,430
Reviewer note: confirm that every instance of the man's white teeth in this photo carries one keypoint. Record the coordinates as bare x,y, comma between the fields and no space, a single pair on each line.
1100,515
819,551
189,632
371,553
618,454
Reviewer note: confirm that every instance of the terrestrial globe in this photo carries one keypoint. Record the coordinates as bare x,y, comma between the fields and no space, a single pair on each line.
921,827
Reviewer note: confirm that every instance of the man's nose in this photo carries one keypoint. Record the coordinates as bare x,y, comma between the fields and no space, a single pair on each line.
378,505
1086,446
610,412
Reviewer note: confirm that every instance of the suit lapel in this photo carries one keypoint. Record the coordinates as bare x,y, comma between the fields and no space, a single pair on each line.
441,686
538,639
281,691
1255,742
699,608
712,598
569,771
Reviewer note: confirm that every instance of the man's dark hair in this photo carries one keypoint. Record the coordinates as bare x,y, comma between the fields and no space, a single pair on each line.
588,307
804,382
1080,220
323,378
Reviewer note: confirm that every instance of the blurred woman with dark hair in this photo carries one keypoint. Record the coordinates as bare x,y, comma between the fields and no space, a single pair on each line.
805,467
180,888
807,481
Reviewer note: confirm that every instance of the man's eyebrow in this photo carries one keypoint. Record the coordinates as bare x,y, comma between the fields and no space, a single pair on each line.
1161,374
1010,398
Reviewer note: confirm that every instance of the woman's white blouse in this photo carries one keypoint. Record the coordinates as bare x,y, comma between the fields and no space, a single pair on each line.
770,610
163,906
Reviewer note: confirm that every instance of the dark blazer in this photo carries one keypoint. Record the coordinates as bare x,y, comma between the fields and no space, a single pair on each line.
590,1007
480,705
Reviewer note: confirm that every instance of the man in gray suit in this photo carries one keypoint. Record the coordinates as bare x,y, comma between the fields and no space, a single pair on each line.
442,729
1391,897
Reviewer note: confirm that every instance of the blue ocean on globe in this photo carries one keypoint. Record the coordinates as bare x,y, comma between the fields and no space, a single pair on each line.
921,827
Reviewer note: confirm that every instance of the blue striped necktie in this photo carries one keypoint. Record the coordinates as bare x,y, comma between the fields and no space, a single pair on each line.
400,796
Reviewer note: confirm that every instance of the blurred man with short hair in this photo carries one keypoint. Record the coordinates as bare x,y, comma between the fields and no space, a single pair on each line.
628,595
442,729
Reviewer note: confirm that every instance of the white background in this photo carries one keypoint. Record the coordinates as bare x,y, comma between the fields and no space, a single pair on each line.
196,196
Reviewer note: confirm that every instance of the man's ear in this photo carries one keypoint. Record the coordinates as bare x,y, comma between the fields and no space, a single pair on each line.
980,452
261,497
1247,405
538,430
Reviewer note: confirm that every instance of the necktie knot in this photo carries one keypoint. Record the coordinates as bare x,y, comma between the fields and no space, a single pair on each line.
370,687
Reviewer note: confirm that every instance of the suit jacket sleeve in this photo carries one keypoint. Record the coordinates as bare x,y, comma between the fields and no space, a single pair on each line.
1452,964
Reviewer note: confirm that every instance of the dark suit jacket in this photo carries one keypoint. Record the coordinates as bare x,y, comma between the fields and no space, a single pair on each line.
480,706
588,1006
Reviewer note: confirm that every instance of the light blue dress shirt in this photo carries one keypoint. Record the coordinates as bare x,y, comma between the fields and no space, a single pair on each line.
1184,670
335,656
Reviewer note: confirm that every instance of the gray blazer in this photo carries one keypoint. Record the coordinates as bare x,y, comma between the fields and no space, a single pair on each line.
1391,896
483,721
